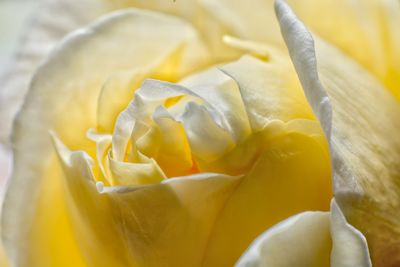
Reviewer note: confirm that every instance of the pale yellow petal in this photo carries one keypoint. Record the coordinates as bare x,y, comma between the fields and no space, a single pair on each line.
365,147
63,97
198,14
350,247
126,173
207,140
3,257
309,239
292,175
366,30
115,94
134,226
302,240
252,19
50,21
222,94
269,89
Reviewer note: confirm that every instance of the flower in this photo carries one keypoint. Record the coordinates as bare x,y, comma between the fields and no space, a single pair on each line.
145,140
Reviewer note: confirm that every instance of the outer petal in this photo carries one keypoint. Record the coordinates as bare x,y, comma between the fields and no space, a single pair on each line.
199,15
366,30
63,97
142,226
270,193
302,240
253,19
365,148
309,239
53,20
349,245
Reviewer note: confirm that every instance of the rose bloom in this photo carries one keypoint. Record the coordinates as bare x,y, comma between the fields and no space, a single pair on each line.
206,133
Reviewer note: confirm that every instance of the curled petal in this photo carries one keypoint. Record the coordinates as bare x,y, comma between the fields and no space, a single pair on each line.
350,247
309,239
365,30
268,89
365,150
63,97
51,21
302,240
125,226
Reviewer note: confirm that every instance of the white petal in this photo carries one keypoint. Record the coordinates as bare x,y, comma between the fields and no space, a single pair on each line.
350,247
207,140
301,49
63,97
302,241
364,146
269,89
222,93
53,20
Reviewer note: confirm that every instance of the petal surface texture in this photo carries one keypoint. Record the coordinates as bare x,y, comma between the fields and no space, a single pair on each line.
309,239
64,98
302,240
350,247
269,152
364,145
50,22
365,30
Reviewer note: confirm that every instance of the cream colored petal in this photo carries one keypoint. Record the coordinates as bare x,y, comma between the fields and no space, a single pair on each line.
203,114
309,239
148,98
270,193
126,173
301,50
63,97
350,247
207,140
197,14
103,146
365,30
115,94
302,240
134,226
50,22
256,49
365,148
252,19
222,93
174,154
270,90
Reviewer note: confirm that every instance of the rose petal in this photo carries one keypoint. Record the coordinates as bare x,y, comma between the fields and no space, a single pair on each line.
52,20
63,97
222,93
200,16
366,30
253,19
207,140
134,226
309,239
270,193
350,247
302,240
270,90
365,148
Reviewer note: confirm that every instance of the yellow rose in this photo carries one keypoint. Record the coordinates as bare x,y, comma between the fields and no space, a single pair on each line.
148,139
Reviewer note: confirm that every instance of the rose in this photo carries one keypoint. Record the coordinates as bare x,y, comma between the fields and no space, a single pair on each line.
288,139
